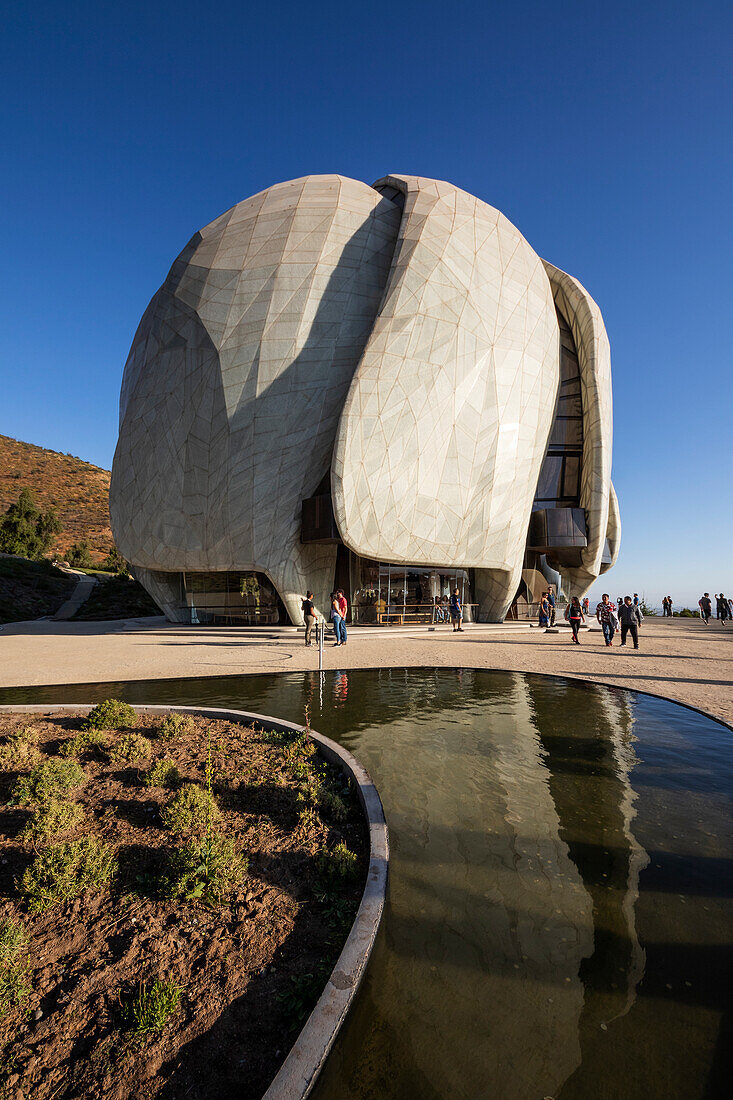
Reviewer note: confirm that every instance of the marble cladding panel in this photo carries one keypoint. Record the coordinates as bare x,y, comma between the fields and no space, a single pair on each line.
448,415
236,380
597,497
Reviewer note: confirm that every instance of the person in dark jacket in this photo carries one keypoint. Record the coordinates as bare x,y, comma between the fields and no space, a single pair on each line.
631,619
309,614
724,608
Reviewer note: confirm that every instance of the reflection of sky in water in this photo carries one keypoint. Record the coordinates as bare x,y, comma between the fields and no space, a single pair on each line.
560,894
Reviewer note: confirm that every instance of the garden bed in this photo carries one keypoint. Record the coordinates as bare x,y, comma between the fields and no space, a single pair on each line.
173,895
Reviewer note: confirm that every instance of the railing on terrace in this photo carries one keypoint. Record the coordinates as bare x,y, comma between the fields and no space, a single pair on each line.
400,614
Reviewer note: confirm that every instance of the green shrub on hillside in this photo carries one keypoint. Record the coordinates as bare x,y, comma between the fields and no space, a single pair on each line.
206,870
15,968
129,748
64,871
79,555
174,725
51,819
20,750
151,1006
336,864
191,812
26,531
109,715
163,773
51,779
84,742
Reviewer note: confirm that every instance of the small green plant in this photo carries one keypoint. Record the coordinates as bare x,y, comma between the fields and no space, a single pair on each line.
336,864
206,870
163,773
175,725
332,804
151,1006
20,749
191,812
298,1000
86,741
51,819
51,779
129,748
64,871
109,715
15,968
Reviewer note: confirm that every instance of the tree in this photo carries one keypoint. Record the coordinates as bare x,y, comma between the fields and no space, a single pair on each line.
26,531
116,563
79,555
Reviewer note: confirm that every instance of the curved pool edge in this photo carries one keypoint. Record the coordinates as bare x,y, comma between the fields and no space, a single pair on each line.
299,1072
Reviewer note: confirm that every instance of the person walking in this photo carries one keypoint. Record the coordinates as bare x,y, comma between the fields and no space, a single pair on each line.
669,605
706,608
717,606
586,606
343,609
724,609
551,602
336,617
631,619
544,615
574,615
456,611
309,615
606,613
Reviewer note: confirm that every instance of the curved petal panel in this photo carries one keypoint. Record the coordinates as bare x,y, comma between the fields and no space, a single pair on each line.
447,419
594,357
236,380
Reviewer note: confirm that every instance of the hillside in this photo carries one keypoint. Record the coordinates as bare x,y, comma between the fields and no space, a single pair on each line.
77,490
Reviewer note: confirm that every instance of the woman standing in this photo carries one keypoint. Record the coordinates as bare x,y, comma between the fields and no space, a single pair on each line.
544,619
574,615
336,617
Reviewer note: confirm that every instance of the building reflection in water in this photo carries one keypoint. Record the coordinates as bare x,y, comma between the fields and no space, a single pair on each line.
509,936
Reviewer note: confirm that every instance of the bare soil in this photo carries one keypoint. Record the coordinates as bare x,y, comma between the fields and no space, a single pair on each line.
249,971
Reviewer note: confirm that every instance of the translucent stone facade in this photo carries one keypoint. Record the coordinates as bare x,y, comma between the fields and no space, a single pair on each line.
399,343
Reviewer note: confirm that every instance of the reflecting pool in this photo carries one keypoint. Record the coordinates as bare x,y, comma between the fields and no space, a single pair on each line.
559,919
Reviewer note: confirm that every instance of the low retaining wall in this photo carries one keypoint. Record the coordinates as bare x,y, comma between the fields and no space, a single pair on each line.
299,1071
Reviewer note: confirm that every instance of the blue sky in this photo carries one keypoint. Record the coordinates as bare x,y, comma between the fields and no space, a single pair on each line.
602,131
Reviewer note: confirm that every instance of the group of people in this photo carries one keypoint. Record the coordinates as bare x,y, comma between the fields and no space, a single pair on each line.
723,608
452,609
625,616
667,607
339,608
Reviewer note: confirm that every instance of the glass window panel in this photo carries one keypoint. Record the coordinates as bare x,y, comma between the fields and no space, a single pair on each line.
550,474
570,386
567,433
569,366
569,405
571,481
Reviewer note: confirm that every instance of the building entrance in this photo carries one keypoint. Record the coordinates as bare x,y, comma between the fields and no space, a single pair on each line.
383,594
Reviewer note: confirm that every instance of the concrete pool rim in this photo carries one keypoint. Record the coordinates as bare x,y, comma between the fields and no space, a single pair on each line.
300,1069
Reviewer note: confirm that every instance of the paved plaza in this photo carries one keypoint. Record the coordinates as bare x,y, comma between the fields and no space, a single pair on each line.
681,658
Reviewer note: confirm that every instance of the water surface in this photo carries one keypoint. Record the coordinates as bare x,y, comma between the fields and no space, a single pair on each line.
559,919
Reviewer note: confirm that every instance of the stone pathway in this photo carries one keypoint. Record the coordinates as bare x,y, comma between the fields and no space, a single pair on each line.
81,593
